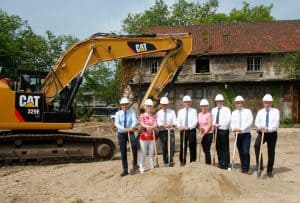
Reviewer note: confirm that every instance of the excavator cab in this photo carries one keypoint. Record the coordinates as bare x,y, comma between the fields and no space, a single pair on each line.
30,101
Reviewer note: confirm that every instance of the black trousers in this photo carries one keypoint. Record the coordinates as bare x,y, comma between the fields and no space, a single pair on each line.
222,146
206,143
190,138
163,136
271,139
123,139
243,145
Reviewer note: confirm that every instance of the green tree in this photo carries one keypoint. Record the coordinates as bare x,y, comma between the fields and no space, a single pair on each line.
21,48
248,14
183,12
290,62
102,82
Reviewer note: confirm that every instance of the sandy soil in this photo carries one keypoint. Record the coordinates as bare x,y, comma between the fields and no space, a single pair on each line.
196,182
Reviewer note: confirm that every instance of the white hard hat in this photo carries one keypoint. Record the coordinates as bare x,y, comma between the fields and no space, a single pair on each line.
149,102
239,99
204,102
124,100
268,97
186,98
219,97
164,100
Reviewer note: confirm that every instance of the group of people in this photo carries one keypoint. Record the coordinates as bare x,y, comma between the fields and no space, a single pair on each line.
213,126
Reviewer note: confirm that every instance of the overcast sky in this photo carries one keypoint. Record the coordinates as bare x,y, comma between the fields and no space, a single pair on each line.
81,18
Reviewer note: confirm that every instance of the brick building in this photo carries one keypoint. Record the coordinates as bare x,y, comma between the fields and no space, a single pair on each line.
233,59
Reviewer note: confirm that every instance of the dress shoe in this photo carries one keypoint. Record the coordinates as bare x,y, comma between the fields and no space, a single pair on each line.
124,173
270,174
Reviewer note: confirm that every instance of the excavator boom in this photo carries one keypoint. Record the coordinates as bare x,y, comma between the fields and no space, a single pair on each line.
100,48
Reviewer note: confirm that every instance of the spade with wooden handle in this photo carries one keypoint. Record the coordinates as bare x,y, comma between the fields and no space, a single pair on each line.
155,151
132,170
260,154
234,149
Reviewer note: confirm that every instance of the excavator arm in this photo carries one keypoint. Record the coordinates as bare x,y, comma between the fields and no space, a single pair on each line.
106,47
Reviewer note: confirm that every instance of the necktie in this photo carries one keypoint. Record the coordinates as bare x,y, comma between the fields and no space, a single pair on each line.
267,118
218,115
165,117
187,117
240,118
125,119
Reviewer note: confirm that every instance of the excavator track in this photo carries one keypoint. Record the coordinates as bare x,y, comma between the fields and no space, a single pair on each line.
53,147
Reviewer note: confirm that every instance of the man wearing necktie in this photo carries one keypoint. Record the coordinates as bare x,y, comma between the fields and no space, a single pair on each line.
166,119
267,121
221,122
241,123
187,122
125,121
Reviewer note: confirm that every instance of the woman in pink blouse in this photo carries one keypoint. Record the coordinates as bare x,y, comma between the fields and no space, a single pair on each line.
205,127
148,123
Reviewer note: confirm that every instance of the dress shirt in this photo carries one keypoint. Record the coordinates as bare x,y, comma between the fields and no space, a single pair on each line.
244,123
171,117
274,117
203,121
192,118
224,117
131,120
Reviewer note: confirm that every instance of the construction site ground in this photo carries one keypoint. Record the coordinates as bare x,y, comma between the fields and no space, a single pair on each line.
196,182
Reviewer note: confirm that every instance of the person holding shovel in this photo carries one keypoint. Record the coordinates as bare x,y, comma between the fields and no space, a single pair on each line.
148,124
187,122
241,123
221,122
166,121
125,121
205,127
267,122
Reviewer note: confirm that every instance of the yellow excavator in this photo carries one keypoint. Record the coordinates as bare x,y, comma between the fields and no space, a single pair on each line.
30,123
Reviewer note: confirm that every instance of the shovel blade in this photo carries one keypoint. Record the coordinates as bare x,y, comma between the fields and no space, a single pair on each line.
132,171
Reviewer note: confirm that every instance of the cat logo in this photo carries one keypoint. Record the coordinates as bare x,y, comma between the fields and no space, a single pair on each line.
29,101
141,47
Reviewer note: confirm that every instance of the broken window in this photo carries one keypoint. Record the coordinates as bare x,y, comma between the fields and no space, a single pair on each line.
253,64
202,66
154,65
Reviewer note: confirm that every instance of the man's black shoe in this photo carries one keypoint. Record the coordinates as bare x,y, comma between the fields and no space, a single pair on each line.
270,174
124,173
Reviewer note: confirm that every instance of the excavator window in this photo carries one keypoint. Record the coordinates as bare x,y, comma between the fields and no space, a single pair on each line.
31,81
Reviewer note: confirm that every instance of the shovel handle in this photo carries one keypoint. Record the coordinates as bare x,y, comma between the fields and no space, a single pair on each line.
234,149
260,152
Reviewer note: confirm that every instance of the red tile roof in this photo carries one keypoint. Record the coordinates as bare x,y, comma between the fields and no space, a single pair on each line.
238,38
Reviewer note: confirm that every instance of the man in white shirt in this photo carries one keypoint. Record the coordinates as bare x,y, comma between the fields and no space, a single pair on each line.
187,122
241,123
221,122
267,121
166,120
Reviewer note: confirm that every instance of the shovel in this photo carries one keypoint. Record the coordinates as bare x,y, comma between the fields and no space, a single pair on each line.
233,154
214,149
132,171
183,145
260,154
169,146
155,151
200,134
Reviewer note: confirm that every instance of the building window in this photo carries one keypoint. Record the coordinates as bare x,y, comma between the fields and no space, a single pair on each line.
154,65
253,64
202,66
